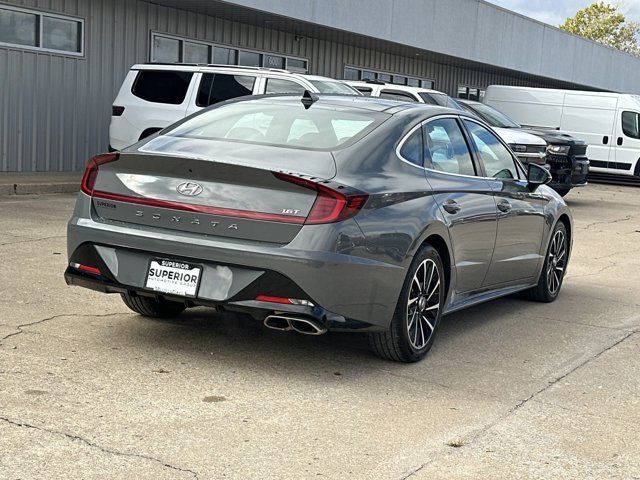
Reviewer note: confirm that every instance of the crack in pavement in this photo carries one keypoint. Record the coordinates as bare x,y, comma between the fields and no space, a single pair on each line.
43,320
609,222
32,240
99,447
600,270
475,435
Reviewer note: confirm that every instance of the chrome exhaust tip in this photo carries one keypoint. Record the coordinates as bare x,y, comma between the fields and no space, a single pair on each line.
305,326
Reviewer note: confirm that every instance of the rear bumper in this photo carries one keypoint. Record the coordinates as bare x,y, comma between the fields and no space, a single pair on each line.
349,290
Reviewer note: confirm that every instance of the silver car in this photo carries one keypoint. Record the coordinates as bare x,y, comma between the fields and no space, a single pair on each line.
321,213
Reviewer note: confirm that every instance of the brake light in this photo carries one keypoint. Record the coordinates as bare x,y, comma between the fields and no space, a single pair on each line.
117,111
283,300
331,205
86,268
91,172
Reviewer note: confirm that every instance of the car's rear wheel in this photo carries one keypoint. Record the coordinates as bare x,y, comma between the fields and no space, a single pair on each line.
151,307
554,269
417,315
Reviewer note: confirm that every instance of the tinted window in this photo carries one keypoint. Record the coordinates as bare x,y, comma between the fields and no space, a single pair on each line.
19,28
250,59
225,56
281,124
272,61
366,91
631,124
218,87
496,158
327,86
395,95
446,149
412,148
196,52
166,50
277,85
61,34
162,86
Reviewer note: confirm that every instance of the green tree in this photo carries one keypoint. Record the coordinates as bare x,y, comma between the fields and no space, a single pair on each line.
604,23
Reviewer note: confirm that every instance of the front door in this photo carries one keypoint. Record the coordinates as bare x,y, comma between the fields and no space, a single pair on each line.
465,200
627,146
518,250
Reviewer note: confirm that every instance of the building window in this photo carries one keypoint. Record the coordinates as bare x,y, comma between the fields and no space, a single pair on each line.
172,49
355,73
44,31
470,93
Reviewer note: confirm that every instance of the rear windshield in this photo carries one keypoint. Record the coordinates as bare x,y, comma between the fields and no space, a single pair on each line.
162,86
327,86
321,127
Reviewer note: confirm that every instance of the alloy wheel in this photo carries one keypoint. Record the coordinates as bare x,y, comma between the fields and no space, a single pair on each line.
556,262
423,306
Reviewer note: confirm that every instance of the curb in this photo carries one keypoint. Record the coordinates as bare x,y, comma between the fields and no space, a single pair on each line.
38,188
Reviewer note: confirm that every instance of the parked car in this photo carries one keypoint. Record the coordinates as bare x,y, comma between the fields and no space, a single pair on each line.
153,96
609,123
565,155
529,148
321,213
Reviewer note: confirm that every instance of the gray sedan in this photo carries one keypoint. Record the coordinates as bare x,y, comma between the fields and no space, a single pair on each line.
321,213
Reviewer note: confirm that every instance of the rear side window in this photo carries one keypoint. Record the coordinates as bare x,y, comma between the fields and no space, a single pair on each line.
446,149
412,148
162,86
631,124
218,87
366,91
277,85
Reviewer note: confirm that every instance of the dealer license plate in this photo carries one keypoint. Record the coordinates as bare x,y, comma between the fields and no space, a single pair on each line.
174,277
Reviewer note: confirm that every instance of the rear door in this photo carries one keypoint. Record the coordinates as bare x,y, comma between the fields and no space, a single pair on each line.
465,200
517,254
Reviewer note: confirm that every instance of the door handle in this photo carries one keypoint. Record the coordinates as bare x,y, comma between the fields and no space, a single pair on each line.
605,140
620,141
451,206
504,206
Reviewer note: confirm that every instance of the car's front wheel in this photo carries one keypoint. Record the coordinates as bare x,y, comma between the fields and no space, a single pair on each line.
151,307
417,315
555,267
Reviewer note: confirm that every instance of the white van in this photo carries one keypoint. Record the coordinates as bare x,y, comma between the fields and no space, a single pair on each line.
154,96
608,122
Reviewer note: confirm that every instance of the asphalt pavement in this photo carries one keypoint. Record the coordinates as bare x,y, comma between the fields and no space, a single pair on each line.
511,389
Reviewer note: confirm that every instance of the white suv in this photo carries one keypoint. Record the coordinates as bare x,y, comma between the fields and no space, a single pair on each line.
154,96
529,148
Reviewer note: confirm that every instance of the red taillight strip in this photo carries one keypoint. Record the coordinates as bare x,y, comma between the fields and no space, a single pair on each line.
270,299
86,268
189,207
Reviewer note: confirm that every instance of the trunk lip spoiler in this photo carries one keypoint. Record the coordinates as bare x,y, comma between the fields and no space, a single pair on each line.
203,209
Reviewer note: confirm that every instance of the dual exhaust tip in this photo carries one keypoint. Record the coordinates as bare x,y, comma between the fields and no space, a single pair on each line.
305,326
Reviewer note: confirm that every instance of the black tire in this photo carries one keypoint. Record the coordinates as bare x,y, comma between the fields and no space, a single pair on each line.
549,287
562,191
150,307
396,344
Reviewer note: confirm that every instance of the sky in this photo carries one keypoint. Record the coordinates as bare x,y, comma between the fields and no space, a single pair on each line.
555,12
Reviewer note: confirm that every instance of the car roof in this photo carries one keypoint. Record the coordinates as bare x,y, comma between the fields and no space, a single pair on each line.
393,86
195,67
468,102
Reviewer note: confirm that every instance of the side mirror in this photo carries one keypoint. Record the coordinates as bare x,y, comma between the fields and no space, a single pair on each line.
537,175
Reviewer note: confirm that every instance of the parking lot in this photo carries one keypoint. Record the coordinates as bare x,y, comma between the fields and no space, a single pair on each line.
511,389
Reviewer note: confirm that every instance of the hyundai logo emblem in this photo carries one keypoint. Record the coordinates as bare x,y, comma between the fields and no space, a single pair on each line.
189,189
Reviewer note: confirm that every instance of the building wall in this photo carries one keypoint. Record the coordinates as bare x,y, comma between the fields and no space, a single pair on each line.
55,109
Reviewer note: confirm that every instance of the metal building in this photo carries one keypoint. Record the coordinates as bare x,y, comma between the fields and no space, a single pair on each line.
62,61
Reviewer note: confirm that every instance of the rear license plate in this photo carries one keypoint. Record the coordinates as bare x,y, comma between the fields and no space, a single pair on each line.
174,277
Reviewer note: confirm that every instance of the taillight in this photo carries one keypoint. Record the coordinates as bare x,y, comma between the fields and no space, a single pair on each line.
86,268
117,111
331,205
283,300
91,172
